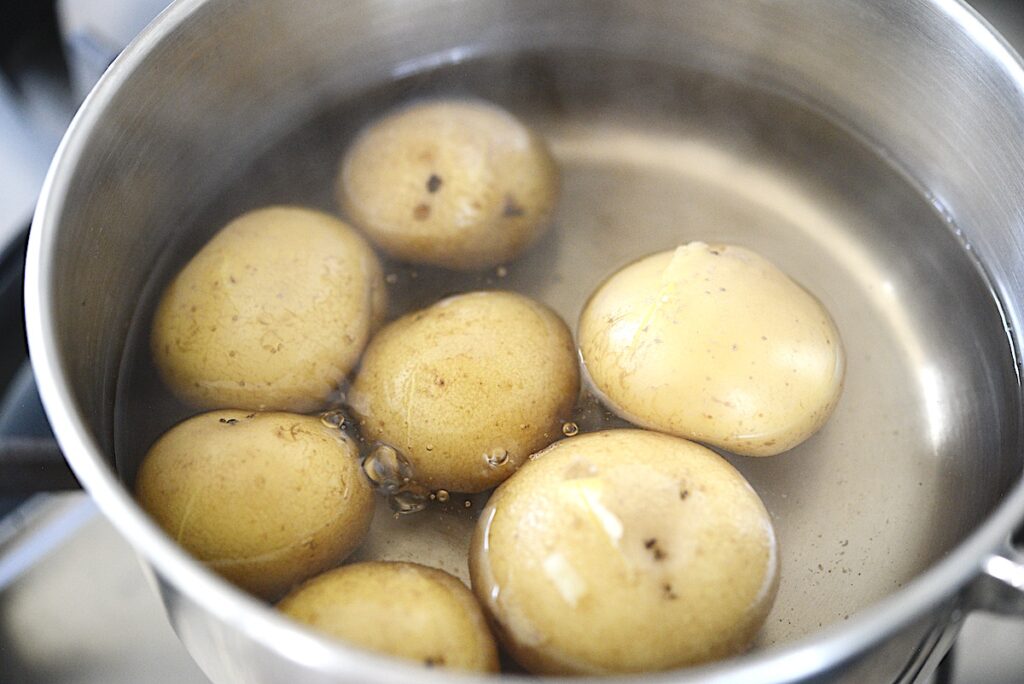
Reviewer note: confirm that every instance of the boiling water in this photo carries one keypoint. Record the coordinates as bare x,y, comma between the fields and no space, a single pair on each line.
652,158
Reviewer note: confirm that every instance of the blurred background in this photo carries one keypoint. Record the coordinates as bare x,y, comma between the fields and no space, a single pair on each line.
74,604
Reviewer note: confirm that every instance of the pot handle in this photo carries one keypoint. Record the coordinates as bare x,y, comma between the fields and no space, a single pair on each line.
1000,586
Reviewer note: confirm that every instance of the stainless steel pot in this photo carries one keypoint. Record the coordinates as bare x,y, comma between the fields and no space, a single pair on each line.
918,474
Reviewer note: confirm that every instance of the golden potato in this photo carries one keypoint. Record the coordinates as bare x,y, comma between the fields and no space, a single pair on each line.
466,389
459,184
402,609
271,314
624,551
264,499
716,344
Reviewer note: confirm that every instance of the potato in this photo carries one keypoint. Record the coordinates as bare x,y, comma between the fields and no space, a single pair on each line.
624,551
466,389
458,184
271,314
716,344
402,609
264,499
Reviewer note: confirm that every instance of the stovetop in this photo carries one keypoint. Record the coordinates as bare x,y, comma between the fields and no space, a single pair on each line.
75,605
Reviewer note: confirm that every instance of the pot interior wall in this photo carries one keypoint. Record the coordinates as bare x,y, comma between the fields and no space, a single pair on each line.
832,138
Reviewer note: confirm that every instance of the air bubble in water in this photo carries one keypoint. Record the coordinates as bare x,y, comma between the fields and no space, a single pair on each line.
442,495
333,419
501,271
388,470
570,429
497,458
408,501
467,504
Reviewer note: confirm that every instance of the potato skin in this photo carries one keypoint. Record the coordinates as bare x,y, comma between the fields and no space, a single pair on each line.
455,183
271,314
715,344
264,499
477,374
624,551
402,609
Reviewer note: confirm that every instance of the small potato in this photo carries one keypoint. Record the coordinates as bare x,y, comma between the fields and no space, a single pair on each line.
716,344
402,609
458,184
466,389
264,499
624,551
271,314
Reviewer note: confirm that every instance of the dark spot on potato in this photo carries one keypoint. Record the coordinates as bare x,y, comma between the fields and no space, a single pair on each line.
232,353
652,546
433,661
669,593
229,421
421,212
434,183
683,494
512,208
231,279
439,382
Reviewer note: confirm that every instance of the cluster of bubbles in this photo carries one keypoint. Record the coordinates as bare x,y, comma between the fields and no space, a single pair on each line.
334,419
390,472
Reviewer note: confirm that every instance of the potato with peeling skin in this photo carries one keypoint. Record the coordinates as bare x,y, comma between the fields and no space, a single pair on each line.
405,610
716,344
263,499
271,314
467,388
458,184
624,551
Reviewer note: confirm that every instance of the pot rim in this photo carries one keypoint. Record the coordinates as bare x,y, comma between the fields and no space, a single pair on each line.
804,658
